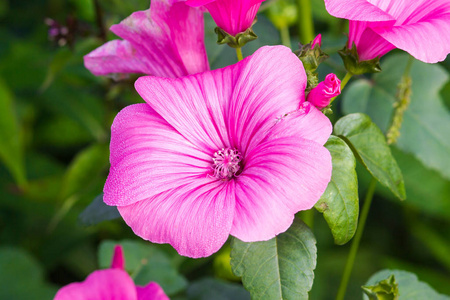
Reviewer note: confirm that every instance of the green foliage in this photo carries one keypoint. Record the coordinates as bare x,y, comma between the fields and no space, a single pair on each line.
280,268
369,146
409,287
97,212
21,276
426,123
145,262
209,288
339,203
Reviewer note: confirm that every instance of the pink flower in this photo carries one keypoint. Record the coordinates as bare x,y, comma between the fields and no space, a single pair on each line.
317,41
321,95
112,283
217,153
233,16
165,40
419,27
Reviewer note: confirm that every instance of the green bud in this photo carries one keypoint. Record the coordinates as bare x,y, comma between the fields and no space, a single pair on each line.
237,41
356,67
384,290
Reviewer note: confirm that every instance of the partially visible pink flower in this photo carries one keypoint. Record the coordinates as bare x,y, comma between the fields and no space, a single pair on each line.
222,152
317,41
166,40
112,283
232,16
321,95
419,27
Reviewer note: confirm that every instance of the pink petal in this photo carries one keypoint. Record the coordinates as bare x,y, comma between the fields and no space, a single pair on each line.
118,259
427,40
195,218
149,157
111,284
151,291
282,176
368,43
166,40
230,107
357,10
114,57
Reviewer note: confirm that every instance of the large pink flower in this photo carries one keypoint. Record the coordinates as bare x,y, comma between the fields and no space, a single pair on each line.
222,152
111,284
419,27
233,16
166,40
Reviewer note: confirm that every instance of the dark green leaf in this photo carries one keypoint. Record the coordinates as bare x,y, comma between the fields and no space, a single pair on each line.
146,263
97,212
369,145
209,288
426,122
280,268
339,203
409,287
11,148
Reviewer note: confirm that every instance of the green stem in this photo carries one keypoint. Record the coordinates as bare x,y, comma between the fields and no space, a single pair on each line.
343,84
305,25
356,240
285,37
239,54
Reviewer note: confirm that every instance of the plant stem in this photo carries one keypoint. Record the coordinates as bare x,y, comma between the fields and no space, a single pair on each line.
239,54
285,37
305,25
343,84
356,240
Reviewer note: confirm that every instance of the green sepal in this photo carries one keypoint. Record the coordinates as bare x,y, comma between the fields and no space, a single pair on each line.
356,67
237,41
311,57
384,290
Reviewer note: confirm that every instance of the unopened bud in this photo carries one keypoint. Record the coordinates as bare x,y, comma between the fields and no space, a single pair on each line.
321,95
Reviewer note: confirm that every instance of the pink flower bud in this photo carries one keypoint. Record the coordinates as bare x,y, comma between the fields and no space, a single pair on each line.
321,95
317,41
118,260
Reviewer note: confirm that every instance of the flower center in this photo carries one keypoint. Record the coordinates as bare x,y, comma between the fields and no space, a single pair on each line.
226,163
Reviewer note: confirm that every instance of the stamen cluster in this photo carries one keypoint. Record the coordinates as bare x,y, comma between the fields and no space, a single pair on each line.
226,163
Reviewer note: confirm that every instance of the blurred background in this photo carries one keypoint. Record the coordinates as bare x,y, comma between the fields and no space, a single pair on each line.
54,136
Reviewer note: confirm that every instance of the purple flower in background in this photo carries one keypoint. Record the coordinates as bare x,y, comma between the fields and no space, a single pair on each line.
166,40
233,16
113,283
419,27
231,151
321,95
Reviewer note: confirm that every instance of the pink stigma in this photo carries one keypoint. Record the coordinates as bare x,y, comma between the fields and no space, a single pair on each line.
226,163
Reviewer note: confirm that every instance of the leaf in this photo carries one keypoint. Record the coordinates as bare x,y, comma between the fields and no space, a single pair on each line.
210,288
426,122
370,147
146,263
409,287
11,148
21,276
384,290
97,212
340,203
280,268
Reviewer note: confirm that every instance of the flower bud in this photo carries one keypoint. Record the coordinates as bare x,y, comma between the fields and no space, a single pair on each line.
321,95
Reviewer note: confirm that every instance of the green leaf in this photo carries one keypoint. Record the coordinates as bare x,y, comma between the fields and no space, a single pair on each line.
340,203
409,287
280,268
426,122
11,148
384,290
370,147
145,262
21,276
97,212
209,288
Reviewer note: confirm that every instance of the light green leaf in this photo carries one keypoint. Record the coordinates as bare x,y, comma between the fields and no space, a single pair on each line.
409,287
340,203
11,148
369,145
145,262
280,268
426,122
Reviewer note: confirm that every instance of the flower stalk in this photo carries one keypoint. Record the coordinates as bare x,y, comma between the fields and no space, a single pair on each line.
239,54
305,25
